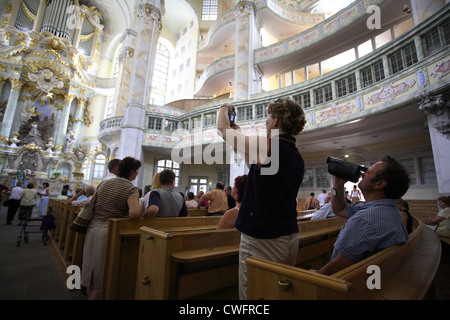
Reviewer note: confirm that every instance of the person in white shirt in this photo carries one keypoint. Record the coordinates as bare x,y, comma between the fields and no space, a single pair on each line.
113,168
323,198
14,202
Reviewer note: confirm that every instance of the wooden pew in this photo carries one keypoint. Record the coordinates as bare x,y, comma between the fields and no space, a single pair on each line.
182,265
407,272
301,204
177,265
63,217
305,214
122,249
58,213
70,234
316,241
423,209
194,212
78,249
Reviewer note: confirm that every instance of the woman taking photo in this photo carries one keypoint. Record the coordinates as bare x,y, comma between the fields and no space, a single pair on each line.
268,214
115,198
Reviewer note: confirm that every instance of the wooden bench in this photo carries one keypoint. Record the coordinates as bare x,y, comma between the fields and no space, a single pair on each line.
407,272
423,209
69,242
305,214
301,204
194,212
58,213
122,249
183,265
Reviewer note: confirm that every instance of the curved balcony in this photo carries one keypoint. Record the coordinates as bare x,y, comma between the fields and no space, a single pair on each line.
217,75
110,129
376,112
336,34
290,20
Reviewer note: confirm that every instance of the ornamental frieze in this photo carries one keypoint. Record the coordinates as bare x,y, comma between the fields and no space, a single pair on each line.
390,92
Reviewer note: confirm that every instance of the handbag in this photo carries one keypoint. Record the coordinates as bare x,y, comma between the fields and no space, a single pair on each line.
82,220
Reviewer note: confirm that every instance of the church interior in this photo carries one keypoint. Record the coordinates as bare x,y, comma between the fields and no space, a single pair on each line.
83,82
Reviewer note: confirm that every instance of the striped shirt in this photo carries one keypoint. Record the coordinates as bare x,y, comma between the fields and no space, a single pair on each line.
372,227
112,197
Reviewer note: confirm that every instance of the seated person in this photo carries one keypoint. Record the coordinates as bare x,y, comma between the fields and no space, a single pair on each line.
204,203
63,195
323,213
166,202
442,220
374,225
229,217
77,200
191,203
217,198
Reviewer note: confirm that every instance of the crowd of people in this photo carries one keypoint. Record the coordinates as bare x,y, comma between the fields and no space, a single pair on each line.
261,204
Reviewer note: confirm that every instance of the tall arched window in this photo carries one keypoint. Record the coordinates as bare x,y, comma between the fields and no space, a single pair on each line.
99,166
116,68
65,170
159,81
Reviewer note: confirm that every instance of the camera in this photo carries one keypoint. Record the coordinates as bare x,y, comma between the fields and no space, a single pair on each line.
232,117
345,170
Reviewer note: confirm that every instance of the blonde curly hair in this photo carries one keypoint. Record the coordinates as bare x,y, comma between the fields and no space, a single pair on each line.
290,114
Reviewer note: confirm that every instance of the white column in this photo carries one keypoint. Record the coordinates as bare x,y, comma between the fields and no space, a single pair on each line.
64,123
437,108
11,106
132,134
248,39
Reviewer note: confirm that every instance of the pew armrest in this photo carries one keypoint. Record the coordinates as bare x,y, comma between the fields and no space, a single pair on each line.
197,255
273,280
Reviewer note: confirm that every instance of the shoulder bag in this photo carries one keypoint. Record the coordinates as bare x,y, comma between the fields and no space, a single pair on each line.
82,220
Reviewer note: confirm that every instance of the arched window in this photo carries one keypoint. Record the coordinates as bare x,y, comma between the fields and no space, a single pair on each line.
116,68
65,170
99,166
209,10
169,164
159,81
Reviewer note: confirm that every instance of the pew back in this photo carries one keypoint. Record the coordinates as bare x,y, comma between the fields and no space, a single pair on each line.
186,264
182,265
406,273
194,212
121,253
423,209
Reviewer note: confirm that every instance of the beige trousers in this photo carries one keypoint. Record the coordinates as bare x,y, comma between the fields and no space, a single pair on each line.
283,250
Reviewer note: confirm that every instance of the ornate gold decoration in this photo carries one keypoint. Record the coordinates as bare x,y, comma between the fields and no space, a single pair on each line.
32,147
27,12
86,37
33,112
55,43
46,82
16,83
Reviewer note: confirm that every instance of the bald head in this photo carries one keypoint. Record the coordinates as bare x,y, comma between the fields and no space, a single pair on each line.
90,190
